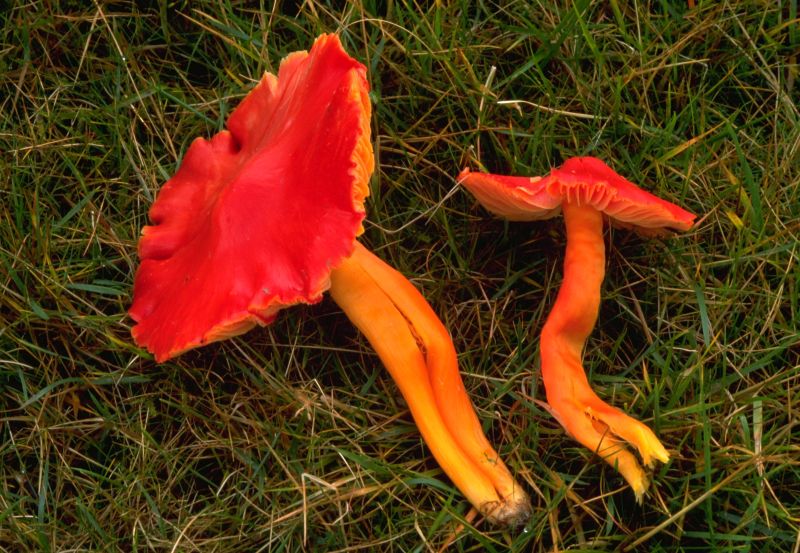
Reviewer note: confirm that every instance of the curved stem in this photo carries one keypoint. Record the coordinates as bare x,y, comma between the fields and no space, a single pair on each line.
451,397
598,426
398,323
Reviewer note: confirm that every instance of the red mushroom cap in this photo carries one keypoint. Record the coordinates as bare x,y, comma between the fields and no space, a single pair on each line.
585,180
255,219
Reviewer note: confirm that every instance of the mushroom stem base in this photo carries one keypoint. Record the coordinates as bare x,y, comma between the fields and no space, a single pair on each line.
417,351
598,426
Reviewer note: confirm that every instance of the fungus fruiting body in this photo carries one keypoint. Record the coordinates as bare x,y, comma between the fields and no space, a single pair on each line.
265,215
584,190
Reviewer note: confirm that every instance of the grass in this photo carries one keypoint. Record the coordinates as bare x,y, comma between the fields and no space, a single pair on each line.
293,437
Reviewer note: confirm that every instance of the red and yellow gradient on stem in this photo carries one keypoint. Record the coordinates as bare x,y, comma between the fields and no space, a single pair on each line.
585,190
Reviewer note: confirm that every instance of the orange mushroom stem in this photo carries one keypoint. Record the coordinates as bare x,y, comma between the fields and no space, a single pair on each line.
418,352
584,190
587,418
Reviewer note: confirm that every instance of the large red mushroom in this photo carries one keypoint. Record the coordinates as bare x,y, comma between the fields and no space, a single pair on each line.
265,215
584,190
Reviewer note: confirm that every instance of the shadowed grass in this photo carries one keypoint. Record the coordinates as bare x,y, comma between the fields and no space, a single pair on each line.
293,437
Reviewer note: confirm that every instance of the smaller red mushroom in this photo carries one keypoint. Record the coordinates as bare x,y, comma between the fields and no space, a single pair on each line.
583,189
265,215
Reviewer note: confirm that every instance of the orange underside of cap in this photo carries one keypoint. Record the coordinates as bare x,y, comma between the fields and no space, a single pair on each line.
584,180
255,218
513,198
